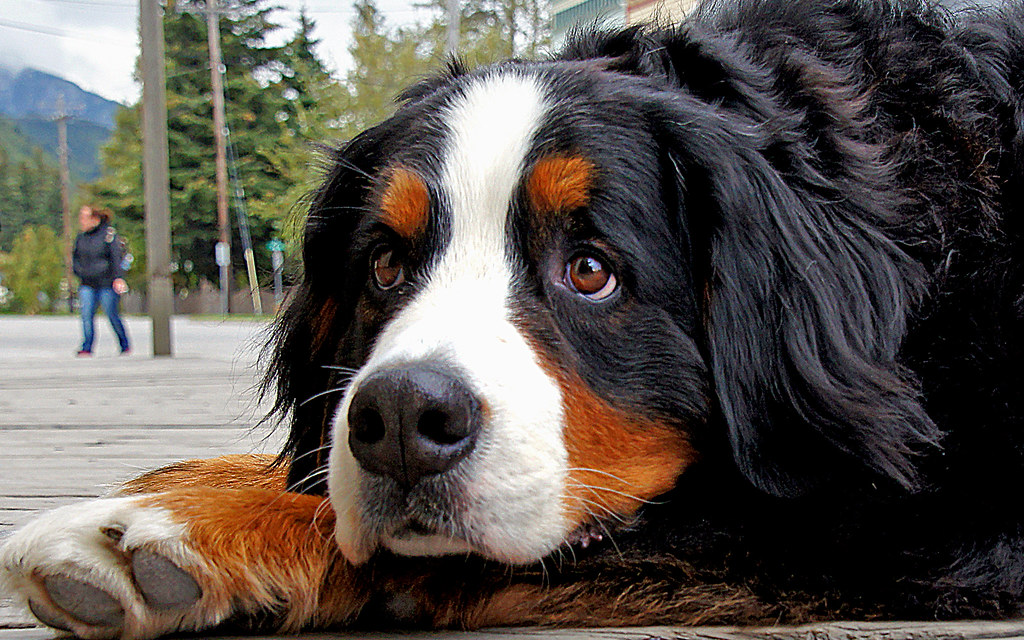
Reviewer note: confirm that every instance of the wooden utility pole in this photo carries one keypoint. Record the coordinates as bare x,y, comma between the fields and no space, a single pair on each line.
452,44
156,176
65,197
223,252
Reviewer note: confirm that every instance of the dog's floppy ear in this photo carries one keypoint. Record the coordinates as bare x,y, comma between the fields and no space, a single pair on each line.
304,342
806,300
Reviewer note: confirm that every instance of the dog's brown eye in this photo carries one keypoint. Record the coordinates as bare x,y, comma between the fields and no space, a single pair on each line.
588,276
388,270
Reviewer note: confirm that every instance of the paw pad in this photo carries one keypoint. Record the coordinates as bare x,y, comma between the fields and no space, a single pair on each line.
82,601
48,615
162,583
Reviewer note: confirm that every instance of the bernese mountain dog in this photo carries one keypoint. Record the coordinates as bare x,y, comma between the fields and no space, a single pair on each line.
720,323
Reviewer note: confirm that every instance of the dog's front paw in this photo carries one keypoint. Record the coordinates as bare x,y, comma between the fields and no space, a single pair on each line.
110,568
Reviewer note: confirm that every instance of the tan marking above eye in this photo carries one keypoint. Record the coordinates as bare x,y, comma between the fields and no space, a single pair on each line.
560,183
405,202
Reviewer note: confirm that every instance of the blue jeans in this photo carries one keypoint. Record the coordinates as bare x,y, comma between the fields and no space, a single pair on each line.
90,298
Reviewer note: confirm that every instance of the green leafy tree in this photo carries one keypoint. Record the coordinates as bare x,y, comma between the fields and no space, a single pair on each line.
120,188
386,59
33,270
492,30
251,117
311,118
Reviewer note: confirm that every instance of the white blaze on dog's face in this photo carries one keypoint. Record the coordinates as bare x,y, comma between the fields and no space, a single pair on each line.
461,315
527,454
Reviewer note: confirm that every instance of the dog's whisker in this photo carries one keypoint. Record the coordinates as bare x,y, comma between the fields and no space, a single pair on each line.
595,488
334,367
323,393
601,472
314,475
321,509
608,513
311,452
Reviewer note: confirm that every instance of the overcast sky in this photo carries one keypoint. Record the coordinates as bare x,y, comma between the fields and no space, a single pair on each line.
94,43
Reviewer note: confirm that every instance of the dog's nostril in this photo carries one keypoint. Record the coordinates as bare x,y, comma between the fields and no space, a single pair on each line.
368,426
437,426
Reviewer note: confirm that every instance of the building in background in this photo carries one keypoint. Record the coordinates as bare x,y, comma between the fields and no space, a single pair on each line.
659,11
565,14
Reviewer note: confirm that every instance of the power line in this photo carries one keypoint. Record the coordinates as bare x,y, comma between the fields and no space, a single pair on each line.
50,31
34,28
97,3
327,9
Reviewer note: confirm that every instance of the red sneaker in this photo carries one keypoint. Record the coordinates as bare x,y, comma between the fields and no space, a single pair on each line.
82,353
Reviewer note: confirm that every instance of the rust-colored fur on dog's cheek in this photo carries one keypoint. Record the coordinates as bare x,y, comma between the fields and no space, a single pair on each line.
242,471
559,184
405,203
617,459
268,548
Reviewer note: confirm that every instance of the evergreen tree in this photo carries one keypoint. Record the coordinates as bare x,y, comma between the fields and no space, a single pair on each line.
282,104
250,115
29,195
253,108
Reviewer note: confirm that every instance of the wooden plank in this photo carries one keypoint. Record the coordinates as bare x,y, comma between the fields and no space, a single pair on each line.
832,631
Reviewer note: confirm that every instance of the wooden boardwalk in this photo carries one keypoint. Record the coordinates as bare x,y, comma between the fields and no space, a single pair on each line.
70,428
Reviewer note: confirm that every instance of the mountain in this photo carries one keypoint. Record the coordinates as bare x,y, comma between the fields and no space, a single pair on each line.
6,76
28,100
84,142
34,93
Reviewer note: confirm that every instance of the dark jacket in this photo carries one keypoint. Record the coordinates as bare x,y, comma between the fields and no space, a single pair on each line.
98,256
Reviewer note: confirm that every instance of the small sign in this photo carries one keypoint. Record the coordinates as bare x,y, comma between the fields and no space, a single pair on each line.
275,245
221,255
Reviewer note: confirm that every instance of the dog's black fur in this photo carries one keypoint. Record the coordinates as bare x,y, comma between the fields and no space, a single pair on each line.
846,180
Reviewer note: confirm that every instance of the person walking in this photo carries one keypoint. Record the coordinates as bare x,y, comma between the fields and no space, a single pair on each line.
98,262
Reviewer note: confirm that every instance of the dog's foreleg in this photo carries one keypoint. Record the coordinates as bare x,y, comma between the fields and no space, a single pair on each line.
184,548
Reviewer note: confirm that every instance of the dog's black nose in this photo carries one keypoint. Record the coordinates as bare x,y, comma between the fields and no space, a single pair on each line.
411,422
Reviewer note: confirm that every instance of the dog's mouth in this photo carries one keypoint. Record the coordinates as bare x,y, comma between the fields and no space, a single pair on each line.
415,536
414,528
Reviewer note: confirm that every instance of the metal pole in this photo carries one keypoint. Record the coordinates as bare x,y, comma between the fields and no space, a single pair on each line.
65,196
223,255
156,176
452,46
277,260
